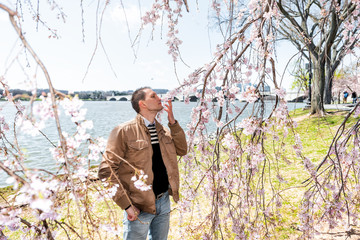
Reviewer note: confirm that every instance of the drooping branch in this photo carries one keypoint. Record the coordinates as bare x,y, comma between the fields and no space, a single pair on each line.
12,16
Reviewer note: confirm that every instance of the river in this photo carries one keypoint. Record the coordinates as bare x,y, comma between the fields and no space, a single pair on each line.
105,116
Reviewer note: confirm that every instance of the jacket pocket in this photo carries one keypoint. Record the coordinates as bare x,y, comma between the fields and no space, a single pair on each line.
169,144
138,153
138,145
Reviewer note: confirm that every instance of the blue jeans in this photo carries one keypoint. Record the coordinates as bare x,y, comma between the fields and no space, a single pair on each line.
154,226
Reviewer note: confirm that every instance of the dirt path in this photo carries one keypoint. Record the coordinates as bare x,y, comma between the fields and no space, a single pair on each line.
300,118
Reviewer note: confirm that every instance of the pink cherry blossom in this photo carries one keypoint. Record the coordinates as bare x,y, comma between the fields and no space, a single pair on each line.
249,125
250,95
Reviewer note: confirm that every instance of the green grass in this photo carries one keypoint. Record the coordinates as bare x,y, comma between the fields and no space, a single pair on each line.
316,134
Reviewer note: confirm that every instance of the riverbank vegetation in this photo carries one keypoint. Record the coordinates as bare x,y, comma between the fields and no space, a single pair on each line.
96,95
100,215
283,175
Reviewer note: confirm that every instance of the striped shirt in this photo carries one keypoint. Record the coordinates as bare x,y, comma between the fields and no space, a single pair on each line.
153,134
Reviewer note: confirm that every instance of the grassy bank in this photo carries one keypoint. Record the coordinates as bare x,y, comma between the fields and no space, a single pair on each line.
316,134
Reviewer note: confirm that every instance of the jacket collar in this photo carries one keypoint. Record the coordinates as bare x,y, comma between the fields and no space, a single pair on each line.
140,121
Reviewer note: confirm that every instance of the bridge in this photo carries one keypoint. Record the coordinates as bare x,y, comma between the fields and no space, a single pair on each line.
290,96
118,98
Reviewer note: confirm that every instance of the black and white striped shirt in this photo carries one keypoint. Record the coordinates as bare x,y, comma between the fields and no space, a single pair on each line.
153,134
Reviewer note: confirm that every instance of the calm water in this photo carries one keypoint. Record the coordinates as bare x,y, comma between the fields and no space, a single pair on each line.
105,116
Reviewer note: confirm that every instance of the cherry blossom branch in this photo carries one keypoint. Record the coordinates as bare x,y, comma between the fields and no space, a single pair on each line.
12,15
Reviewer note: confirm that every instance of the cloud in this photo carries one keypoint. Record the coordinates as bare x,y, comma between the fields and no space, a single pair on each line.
156,68
129,14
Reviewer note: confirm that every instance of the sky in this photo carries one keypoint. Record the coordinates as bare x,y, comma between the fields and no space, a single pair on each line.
68,56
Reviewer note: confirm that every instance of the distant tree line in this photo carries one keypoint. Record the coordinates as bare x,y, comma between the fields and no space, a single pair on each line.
84,95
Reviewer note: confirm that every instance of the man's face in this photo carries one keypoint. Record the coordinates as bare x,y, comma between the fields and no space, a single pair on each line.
152,101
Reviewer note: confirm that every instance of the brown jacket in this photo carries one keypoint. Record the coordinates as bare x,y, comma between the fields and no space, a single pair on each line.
131,141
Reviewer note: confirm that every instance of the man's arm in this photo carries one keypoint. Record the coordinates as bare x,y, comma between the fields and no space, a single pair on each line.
111,162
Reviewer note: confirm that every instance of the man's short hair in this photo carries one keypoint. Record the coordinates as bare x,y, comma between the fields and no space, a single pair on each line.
138,95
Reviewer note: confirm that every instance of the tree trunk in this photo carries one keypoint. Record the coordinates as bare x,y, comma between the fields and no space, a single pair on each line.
317,87
328,83
328,90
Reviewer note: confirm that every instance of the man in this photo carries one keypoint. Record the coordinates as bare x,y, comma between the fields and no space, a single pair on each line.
354,97
143,144
346,94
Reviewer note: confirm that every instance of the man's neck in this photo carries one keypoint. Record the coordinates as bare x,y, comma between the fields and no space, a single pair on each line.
149,116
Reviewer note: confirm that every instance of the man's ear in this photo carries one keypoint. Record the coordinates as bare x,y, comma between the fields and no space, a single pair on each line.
142,104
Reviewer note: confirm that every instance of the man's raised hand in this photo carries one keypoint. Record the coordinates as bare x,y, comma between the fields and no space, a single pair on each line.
168,109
